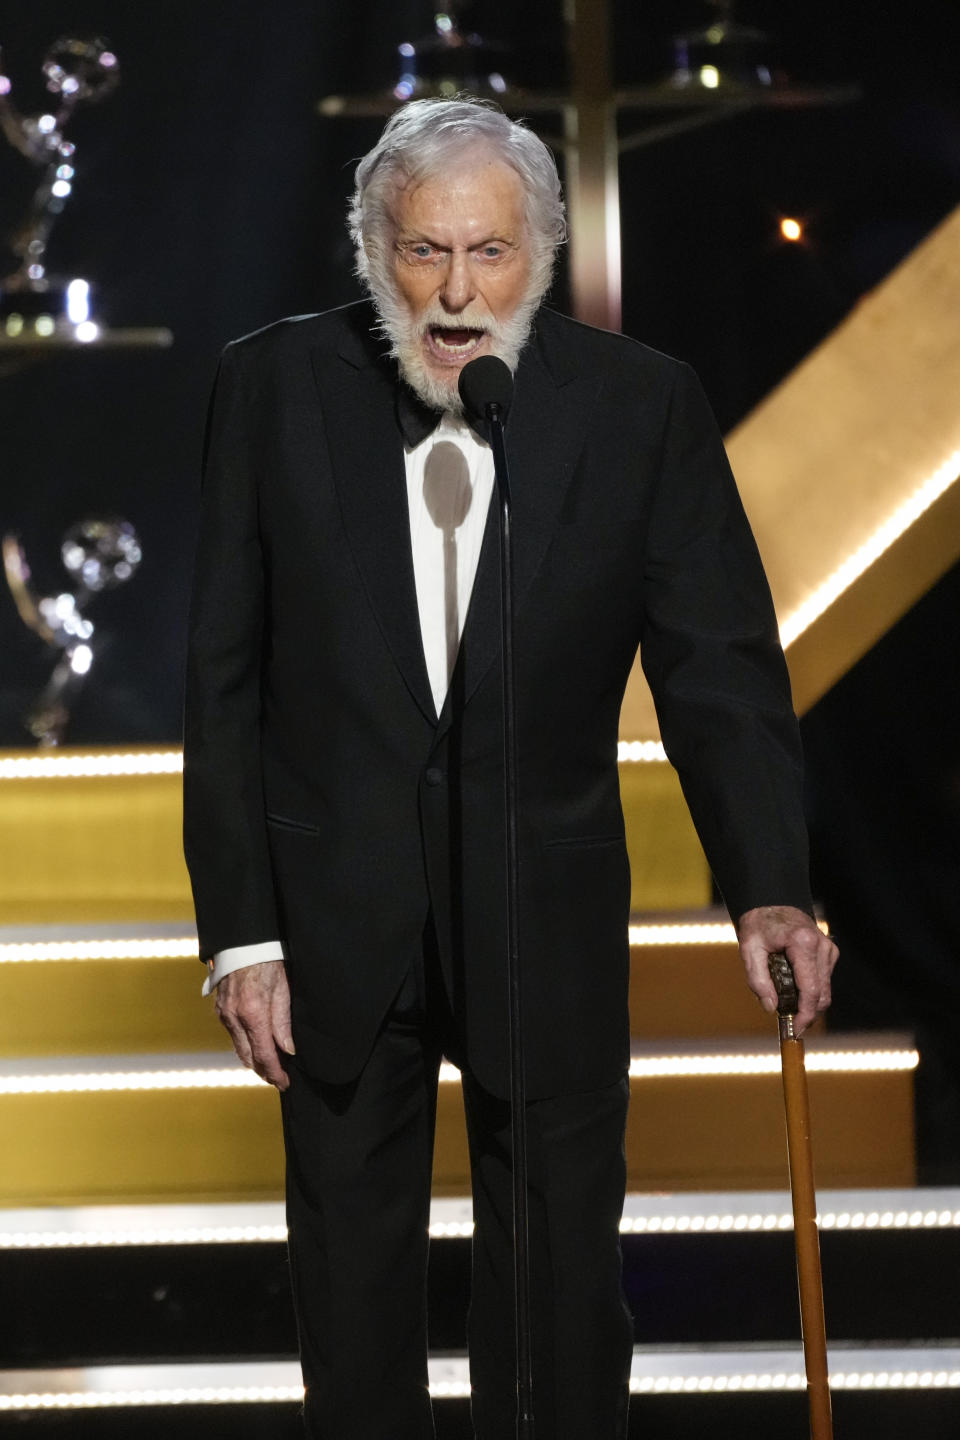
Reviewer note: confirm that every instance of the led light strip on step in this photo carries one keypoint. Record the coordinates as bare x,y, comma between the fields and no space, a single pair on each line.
874,1369
643,752
451,1218
739,1212
71,1076
829,1062
145,1233
76,1082
683,932
170,762
725,1223
665,932
33,951
653,1372
184,947
81,767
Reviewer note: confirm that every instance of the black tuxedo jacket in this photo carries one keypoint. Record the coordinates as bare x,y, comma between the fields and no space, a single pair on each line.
327,804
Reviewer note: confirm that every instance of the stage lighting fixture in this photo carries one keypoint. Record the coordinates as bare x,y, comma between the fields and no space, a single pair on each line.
450,60
725,57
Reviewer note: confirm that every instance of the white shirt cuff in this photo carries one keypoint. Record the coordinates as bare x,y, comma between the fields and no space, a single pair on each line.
238,957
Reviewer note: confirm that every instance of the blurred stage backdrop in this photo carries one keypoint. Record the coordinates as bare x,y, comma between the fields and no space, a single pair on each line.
209,200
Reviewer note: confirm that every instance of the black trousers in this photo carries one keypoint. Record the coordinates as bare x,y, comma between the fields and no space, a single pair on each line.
359,1162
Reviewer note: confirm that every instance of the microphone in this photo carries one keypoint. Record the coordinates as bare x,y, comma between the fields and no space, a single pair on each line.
483,383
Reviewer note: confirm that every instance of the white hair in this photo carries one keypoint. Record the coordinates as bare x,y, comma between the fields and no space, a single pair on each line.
424,137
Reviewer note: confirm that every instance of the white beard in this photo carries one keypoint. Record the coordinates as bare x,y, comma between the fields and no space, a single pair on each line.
506,339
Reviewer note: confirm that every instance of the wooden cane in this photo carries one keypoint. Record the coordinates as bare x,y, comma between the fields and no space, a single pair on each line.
806,1235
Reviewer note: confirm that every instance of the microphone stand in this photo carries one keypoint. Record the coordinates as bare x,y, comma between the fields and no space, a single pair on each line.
518,1113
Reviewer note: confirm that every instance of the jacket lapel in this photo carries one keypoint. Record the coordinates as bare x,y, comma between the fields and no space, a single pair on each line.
358,395
544,435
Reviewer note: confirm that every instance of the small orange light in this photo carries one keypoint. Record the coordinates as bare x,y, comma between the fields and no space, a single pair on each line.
791,229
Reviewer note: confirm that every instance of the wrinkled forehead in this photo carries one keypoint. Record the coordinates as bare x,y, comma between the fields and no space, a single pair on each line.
477,180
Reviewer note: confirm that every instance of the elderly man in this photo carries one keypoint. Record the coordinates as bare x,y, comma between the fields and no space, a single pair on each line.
344,768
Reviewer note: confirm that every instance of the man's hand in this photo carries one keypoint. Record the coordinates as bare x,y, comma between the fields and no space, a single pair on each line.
762,932
254,1005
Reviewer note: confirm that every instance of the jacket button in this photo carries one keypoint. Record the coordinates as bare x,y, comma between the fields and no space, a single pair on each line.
434,776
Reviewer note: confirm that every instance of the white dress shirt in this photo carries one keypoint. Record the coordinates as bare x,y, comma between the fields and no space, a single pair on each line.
449,484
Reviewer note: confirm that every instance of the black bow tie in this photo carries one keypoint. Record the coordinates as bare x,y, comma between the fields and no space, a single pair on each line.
416,419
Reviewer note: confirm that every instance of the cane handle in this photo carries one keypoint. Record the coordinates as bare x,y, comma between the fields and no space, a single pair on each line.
781,973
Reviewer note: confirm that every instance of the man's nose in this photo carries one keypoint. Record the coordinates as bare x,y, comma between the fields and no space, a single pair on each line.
458,287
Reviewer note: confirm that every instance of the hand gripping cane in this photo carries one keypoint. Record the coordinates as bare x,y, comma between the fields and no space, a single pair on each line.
806,1234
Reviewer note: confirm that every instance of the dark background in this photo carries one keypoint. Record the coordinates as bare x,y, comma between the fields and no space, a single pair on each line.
210,198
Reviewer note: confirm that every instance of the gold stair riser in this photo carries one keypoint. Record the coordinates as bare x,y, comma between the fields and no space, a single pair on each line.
108,849
103,1007
667,866
88,850
693,991
683,1134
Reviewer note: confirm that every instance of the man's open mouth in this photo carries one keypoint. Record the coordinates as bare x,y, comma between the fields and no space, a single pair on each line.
453,343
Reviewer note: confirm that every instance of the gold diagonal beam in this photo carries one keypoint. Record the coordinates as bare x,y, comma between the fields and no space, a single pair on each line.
848,472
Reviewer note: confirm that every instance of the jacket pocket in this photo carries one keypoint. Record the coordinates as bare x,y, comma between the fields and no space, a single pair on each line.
283,822
582,842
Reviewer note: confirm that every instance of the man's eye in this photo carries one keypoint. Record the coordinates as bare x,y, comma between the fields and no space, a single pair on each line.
419,252
492,252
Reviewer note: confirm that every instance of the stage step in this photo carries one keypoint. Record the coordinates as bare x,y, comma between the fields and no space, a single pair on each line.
879,1393
117,1294
195,1126
97,989
91,835
687,978
120,1284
